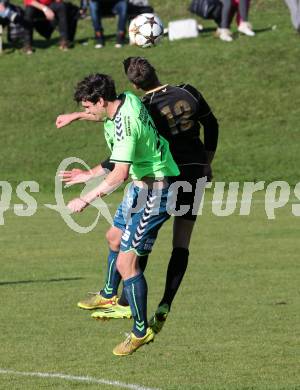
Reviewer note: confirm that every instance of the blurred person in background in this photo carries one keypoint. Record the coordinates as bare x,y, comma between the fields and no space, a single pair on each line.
118,7
83,8
230,7
47,13
8,11
12,16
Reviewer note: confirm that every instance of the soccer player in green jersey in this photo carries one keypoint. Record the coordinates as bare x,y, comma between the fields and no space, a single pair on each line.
137,150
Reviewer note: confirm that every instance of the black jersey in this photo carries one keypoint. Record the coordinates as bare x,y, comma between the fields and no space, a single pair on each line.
177,113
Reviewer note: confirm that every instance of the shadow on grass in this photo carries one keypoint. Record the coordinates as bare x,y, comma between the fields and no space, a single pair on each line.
40,281
208,30
45,43
262,30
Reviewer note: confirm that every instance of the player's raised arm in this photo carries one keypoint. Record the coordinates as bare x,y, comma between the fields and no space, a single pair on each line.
65,119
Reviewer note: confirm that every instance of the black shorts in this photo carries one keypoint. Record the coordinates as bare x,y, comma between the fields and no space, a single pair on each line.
189,198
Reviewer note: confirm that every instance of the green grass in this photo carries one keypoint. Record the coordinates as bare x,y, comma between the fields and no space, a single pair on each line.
251,85
233,324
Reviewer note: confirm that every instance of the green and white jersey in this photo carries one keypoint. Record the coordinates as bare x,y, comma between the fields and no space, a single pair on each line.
132,138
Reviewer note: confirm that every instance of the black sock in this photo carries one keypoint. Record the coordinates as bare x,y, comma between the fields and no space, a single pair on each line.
176,270
142,263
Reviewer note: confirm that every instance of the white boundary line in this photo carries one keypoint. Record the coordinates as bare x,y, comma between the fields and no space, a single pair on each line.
87,379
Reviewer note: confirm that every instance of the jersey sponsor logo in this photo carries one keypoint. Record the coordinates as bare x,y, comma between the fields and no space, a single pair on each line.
127,126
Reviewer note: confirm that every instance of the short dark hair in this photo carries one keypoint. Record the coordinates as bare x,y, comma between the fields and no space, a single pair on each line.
94,87
140,72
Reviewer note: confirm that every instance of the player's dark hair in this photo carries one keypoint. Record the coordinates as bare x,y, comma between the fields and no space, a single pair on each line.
141,73
94,87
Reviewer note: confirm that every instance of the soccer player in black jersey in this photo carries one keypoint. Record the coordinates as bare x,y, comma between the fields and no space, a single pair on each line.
178,113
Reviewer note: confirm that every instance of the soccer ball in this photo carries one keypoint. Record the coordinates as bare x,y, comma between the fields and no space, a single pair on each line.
145,30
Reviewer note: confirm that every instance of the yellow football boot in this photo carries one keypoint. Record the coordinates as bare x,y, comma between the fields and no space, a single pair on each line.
97,301
117,311
132,343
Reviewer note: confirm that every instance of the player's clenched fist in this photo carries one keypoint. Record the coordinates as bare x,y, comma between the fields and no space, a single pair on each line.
64,120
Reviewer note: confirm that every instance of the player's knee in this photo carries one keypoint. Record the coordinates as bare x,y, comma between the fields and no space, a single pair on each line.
108,236
113,240
127,265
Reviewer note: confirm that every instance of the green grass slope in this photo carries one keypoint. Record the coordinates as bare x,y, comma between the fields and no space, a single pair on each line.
251,84
234,323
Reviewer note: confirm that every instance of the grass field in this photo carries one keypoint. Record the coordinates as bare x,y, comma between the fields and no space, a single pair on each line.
234,324
235,321
251,85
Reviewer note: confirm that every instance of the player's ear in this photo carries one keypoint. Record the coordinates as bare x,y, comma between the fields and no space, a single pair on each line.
102,102
135,86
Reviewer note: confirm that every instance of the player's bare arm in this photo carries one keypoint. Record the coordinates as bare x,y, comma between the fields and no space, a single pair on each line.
76,175
65,119
113,180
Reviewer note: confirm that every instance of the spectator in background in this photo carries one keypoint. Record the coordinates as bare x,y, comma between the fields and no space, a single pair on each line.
12,16
83,8
294,7
8,12
228,10
119,7
49,12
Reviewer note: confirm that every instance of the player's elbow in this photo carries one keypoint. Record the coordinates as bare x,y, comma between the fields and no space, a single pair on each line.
122,171
125,175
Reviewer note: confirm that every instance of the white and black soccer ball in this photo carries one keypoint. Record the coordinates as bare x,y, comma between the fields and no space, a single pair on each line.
145,30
